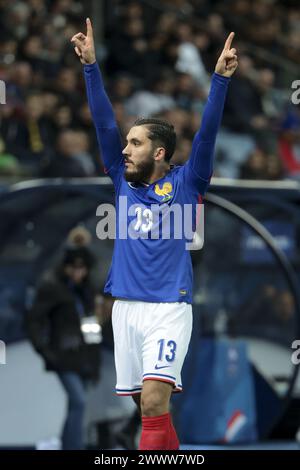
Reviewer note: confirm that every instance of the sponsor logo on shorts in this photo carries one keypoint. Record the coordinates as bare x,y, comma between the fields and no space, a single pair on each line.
160,367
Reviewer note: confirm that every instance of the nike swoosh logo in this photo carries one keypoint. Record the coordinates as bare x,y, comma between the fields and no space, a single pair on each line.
160,367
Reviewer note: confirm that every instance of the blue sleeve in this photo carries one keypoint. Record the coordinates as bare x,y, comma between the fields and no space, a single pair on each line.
108,135
199,168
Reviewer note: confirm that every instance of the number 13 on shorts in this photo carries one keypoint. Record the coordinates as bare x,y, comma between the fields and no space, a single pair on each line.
167,350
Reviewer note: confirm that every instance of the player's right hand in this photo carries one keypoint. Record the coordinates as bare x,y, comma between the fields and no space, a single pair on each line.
84,45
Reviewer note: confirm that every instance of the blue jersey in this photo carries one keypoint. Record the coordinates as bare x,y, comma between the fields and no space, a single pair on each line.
155,222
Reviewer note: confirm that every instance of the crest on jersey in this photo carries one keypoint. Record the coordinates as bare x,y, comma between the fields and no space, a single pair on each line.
165,191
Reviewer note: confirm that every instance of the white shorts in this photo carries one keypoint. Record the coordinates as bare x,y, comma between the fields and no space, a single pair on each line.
151,341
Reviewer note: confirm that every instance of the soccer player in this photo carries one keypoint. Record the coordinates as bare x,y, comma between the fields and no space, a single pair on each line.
151,274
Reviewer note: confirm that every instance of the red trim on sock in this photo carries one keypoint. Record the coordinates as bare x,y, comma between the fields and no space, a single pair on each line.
173,438
158,433
155,432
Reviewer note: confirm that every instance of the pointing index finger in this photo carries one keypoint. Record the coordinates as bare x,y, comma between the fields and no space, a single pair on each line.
89,29
228,42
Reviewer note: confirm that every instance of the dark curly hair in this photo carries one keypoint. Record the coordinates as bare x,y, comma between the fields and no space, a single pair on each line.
161,132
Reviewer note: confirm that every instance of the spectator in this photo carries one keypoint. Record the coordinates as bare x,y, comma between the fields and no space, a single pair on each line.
28,137
57,326
182,36
153,102
70,160
261,165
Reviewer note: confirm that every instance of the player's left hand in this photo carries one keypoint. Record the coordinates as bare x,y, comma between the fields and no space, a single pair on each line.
227,62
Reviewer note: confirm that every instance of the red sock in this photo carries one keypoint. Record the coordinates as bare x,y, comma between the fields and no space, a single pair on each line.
155,432
173,438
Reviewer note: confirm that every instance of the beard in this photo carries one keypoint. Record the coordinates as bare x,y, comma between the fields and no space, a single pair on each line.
140,172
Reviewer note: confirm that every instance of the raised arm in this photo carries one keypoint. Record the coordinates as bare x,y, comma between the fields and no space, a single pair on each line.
200,163
102,112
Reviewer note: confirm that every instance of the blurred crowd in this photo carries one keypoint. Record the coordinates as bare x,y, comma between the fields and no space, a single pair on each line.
157,58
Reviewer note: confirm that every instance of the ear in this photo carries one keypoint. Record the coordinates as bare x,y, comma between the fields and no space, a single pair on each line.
159,154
